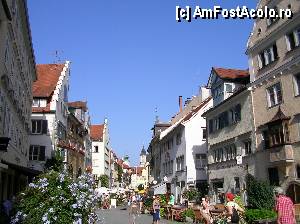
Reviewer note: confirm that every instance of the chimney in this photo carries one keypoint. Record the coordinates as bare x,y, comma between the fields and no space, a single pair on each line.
180,104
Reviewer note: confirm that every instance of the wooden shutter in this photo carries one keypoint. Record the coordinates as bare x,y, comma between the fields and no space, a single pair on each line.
44,127
42,153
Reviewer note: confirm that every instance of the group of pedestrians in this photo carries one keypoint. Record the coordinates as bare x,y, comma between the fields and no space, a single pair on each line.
283,206
135,204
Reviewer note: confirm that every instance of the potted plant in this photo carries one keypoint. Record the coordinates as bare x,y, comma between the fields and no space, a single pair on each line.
188,215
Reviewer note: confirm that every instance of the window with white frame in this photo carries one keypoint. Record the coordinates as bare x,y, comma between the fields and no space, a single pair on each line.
37,153
292,39
274,95
267,56
297,84
228,88
39,126
180,163
39,102
200,161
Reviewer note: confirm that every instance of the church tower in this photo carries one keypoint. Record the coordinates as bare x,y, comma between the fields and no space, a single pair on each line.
143,157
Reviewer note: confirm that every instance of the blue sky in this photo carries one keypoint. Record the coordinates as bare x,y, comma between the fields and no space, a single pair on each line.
129,57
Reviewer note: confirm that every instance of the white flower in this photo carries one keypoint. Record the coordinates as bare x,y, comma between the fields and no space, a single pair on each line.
51,210
74,206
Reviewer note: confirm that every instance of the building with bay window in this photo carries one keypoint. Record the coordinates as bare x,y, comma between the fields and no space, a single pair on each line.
17,73
274,66
230,132
49,113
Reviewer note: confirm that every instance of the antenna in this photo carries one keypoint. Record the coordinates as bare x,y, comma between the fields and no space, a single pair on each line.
156,116
57,56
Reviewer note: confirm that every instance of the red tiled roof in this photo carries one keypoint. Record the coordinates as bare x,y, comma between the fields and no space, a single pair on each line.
97,132
226,73
137,170
78,104
47,77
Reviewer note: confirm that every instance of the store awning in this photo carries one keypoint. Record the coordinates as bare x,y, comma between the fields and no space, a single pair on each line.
22,169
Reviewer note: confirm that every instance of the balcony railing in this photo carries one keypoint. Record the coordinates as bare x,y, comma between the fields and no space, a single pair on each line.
283,153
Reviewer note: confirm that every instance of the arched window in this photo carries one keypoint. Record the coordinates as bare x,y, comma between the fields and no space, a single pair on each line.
293,192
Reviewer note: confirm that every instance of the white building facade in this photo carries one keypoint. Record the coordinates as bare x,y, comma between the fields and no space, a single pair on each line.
49,113
184,153
101,148
17,73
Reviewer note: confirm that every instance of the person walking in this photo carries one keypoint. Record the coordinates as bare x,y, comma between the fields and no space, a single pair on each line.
172,199
284,208
133,212
156,209
205,210
232,209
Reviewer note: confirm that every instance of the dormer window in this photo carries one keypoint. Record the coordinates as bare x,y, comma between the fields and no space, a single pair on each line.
267,56
228,88
37,102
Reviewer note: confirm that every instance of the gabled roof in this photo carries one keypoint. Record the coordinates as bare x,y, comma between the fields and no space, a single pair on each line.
185,118
228,73
97,132
137,170
47,78
195,111
78,105
279,116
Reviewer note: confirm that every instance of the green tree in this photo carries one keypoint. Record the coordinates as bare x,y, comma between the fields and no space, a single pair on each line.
260,194
55,163
104,180
120,173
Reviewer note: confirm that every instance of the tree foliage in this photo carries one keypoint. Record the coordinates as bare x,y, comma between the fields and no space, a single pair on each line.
104,180
260,194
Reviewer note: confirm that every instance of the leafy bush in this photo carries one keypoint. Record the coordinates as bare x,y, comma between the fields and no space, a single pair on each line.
162,212
54,197
260,194
104,180
148,203
191,194
188,213
163,199
256,214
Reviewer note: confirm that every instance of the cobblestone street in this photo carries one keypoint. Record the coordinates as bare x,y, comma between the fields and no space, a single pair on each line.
120,216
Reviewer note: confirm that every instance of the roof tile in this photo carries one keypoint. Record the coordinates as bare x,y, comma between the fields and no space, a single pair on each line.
97,132
47,77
